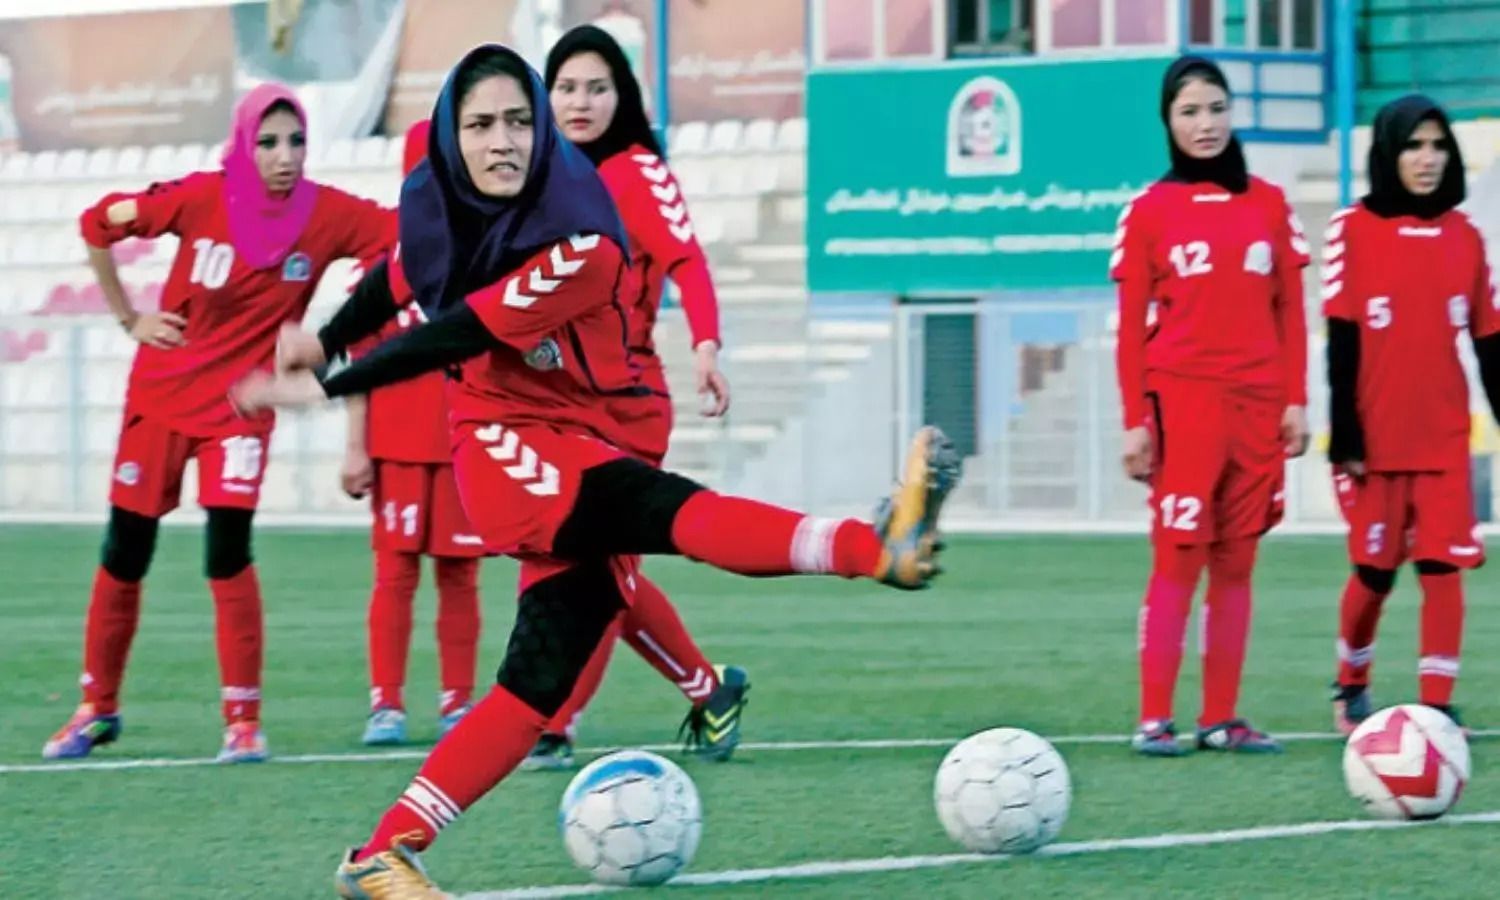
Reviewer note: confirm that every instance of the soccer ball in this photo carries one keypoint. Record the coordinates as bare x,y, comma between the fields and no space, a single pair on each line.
631,818
1407,762
1005,790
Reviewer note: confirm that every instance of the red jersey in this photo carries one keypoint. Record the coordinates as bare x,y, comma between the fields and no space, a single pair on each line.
662,246
1413,286
564,363
1225,273
408,421
233,312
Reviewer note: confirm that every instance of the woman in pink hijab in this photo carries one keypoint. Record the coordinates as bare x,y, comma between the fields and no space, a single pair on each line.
255,238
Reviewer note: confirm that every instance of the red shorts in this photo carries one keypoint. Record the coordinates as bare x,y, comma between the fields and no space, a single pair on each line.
519,485
1220,463
151,457
1396,516
648,422
417,510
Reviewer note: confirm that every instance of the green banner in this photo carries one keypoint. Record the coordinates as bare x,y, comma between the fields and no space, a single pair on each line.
991,176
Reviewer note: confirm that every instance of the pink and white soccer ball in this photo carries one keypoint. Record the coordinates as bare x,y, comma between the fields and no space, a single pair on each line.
1004,790
1407,762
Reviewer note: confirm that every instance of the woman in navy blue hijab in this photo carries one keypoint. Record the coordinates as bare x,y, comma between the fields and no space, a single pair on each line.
512,248
498,184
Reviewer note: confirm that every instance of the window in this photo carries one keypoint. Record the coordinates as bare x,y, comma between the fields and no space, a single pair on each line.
1305,24
908,28
1268,32
1256,24
1201,22
1140,24
1077,23
870,31
849,29
1107,24
986,27
1235,23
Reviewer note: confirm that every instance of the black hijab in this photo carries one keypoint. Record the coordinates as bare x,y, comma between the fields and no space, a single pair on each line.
629,126
1394,125
1228,169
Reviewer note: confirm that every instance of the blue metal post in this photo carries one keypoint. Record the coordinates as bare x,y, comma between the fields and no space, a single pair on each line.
663,76
1343,94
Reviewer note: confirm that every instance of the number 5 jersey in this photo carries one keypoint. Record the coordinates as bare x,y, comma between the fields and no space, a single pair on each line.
1414,287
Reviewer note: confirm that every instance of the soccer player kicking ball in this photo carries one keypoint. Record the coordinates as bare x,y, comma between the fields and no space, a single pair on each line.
255,239
1214,396
1404,276
512,246
397,452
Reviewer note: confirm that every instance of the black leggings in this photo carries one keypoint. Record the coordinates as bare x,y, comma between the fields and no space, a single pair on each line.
624,508
559,623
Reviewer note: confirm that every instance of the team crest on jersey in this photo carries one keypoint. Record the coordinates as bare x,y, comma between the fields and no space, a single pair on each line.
1258,258
545,357
1458,311
984,129
298,267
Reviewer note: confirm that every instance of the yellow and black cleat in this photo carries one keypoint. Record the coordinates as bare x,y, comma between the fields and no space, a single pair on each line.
712,730
395,874
907,520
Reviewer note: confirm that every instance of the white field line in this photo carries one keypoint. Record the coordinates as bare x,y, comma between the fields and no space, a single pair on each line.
834,868
109,765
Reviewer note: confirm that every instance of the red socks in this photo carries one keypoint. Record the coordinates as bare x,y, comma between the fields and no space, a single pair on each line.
396,577
390,626
1442,633
655,630
114,610
1442,636
1163,624
1226,627
238,626
484,747
1359,615
753,538
457,629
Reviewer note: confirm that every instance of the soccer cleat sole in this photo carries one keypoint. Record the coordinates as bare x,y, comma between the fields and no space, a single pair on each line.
908,519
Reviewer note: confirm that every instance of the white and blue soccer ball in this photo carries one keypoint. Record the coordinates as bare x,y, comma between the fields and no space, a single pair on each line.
631,818
1004,790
